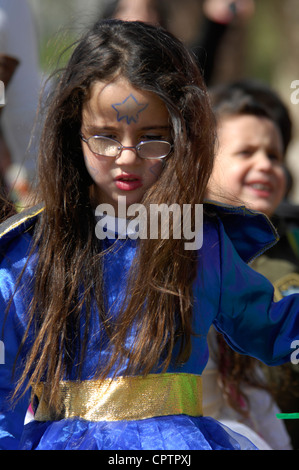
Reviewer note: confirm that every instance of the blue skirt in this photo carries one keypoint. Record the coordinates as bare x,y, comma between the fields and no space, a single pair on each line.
179,432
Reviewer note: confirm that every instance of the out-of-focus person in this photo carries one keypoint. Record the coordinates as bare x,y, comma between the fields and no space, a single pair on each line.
18,41
254,130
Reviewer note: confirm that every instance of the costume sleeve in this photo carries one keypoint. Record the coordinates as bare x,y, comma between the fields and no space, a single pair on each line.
249,319
11,417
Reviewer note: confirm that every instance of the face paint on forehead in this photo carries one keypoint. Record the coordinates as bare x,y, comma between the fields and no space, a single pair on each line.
129,109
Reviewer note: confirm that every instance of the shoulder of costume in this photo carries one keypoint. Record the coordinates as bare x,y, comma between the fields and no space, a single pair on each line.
251,232
18,224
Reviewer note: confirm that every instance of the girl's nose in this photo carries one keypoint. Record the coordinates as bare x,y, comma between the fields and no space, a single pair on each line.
128,155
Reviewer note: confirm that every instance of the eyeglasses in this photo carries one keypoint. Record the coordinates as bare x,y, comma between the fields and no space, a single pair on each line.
106,147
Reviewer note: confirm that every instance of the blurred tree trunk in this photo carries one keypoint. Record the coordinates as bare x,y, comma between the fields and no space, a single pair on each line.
231,57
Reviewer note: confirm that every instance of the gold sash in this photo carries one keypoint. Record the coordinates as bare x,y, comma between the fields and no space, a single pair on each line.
124,398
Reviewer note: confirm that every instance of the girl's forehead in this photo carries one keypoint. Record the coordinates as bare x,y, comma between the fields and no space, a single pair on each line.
121,101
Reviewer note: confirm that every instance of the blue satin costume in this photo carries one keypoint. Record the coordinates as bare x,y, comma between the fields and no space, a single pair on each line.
227,293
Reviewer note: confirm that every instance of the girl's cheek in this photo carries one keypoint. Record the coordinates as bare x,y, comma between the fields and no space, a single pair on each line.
91,168
154,170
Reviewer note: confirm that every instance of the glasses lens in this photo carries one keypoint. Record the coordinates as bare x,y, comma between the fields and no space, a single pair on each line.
104,146
154,149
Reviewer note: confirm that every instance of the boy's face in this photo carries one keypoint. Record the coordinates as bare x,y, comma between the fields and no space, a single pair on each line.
249,164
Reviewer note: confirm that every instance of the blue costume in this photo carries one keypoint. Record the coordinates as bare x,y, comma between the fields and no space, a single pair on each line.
161,410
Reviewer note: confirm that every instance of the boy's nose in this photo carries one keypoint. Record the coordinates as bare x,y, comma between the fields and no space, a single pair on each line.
264,160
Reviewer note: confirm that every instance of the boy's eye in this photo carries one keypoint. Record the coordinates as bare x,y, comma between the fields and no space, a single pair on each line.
275,157
245,152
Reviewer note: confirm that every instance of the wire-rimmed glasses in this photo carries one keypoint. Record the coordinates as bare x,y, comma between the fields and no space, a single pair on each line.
107,147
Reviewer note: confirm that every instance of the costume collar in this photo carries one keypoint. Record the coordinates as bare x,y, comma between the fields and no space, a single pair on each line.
251,232
19,223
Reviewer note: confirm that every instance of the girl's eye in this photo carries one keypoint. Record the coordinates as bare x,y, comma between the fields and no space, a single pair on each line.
109,136
152,137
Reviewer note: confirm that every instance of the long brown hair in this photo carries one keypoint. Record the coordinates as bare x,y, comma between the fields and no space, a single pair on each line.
159,299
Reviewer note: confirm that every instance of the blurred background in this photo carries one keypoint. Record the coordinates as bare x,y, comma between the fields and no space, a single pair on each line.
246,39
264,45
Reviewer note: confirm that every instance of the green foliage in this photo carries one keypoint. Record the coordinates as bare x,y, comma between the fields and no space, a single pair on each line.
265,40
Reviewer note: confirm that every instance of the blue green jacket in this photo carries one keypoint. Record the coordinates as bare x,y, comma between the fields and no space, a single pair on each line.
227,293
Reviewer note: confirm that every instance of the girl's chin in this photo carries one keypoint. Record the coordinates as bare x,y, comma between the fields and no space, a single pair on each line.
119,200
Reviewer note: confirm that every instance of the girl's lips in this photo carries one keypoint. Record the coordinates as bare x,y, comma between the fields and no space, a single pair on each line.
128,182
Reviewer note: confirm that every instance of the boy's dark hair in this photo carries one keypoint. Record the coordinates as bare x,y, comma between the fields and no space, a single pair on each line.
252,97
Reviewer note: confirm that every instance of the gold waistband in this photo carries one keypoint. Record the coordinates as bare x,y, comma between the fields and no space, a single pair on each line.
124,398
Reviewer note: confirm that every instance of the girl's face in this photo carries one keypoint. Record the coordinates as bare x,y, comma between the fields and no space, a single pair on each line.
249,164
118,111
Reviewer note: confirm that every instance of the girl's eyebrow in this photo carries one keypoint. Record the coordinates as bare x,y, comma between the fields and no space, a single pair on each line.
94,129
148,128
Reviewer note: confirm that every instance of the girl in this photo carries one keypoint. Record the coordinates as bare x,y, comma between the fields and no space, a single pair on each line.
109,335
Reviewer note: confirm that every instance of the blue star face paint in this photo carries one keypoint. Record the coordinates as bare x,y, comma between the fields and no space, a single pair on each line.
129,109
